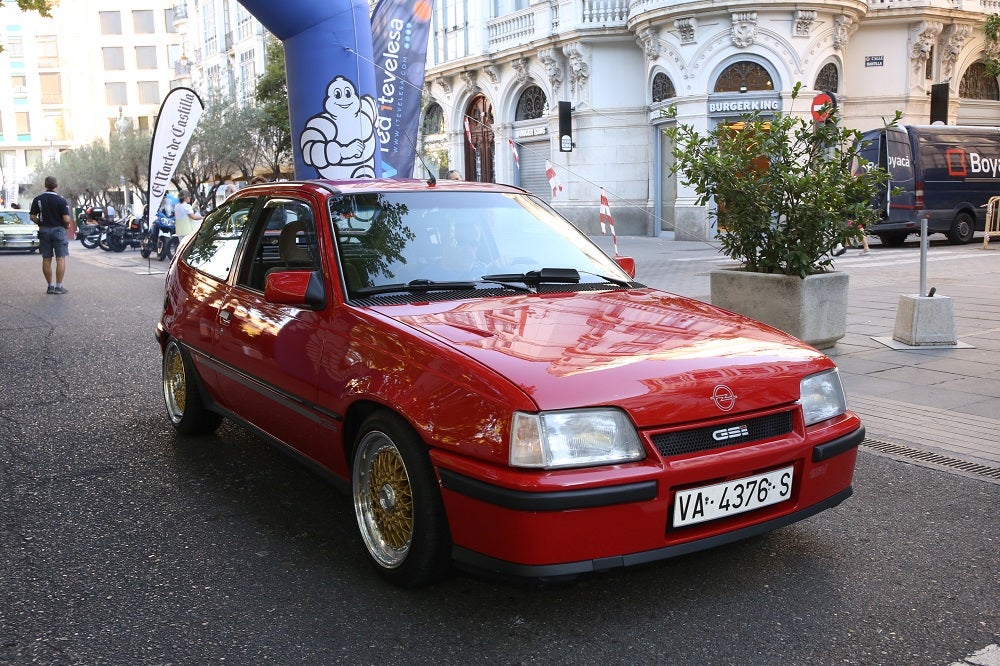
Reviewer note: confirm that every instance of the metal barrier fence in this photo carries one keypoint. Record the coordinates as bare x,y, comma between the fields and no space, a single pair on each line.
992,220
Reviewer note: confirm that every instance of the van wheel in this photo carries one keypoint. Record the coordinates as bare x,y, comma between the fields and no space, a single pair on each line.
892,240
963,229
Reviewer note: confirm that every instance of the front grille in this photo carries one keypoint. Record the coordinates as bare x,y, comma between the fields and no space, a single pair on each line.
724,434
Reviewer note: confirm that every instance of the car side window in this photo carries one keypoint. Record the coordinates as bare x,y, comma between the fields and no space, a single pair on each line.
284,238
214,247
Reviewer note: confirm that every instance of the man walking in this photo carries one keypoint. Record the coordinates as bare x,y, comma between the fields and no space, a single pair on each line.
51,213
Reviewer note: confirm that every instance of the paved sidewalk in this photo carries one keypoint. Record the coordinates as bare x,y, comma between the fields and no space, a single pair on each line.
934,405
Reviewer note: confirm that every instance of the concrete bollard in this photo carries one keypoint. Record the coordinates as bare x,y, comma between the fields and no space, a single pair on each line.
925,320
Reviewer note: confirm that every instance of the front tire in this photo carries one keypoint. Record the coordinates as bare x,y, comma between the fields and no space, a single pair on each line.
166,247
182,395
963,229
397,502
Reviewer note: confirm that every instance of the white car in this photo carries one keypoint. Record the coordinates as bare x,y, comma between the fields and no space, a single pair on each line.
17,231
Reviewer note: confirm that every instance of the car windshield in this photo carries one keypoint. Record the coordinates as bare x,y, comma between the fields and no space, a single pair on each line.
460,239
14,217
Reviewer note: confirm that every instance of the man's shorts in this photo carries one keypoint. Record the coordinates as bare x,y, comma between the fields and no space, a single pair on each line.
53,241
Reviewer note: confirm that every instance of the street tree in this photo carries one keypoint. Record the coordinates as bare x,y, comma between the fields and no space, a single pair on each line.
247,146
87,175
208,160
129,148
992,29
273,128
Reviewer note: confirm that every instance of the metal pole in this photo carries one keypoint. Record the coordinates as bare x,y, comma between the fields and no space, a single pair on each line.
923,256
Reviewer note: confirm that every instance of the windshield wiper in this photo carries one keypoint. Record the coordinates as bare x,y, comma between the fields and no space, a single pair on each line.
414,286
541,276
551,276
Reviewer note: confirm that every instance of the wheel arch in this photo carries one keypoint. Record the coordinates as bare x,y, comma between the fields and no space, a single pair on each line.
355,417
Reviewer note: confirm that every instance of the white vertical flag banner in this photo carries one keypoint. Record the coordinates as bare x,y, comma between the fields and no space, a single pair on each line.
179,115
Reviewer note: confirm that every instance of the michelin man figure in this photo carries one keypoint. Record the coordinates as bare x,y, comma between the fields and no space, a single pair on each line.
340,142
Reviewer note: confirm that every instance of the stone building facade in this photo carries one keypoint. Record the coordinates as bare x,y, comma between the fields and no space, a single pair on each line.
496,70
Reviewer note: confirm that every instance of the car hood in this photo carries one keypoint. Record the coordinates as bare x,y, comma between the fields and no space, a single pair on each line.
661,357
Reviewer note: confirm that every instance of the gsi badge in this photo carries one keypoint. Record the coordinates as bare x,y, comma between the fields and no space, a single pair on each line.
723,434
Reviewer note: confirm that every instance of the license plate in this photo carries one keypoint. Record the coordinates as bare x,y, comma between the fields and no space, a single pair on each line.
729,498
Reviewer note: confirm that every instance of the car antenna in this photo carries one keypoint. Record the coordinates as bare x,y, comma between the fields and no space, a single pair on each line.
431,180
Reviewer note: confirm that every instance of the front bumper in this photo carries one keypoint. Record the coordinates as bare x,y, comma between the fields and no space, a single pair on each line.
18,243
568,532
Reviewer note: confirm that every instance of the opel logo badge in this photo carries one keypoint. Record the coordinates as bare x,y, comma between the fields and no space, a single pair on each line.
723,397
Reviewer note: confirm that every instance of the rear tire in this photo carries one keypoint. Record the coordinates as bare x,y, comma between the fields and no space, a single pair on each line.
182,395
397,502
963,229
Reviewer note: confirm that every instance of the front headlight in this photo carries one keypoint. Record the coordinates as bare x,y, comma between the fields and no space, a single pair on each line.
822,397
573,438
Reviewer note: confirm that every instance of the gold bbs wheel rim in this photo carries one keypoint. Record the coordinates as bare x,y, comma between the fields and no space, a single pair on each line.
383,499
174,382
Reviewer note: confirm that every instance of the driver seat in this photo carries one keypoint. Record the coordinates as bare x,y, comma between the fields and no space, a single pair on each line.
291,253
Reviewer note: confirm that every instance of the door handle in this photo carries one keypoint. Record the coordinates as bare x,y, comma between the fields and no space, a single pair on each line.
225,316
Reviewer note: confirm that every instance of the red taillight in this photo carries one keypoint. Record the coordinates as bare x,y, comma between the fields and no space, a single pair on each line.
918,195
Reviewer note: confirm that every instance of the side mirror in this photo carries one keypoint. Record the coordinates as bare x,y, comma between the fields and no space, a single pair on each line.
301,288
627,264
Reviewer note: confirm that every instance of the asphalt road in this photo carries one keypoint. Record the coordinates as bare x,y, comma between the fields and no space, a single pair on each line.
123,543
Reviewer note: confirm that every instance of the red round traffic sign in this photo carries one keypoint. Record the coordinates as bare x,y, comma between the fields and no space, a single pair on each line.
823,105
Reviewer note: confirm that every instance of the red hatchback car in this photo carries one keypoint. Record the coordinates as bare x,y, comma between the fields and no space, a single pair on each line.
492,388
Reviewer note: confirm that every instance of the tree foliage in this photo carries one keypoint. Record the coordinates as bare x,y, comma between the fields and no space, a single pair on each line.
274,127
992,29
786,190
208,160
43,7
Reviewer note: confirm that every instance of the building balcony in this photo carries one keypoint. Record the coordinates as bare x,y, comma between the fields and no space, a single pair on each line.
540,21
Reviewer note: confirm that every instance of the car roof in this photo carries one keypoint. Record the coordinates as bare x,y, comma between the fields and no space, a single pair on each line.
385,185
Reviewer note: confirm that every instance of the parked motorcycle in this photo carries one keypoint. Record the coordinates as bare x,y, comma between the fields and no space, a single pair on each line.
88,228
159,237
117,236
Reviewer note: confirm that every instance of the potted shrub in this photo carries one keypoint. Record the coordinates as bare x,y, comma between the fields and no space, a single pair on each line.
787,192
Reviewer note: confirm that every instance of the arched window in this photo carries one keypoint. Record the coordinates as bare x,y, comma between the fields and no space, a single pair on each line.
663,88
433,120
531,104
978,84
828,78
743,76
